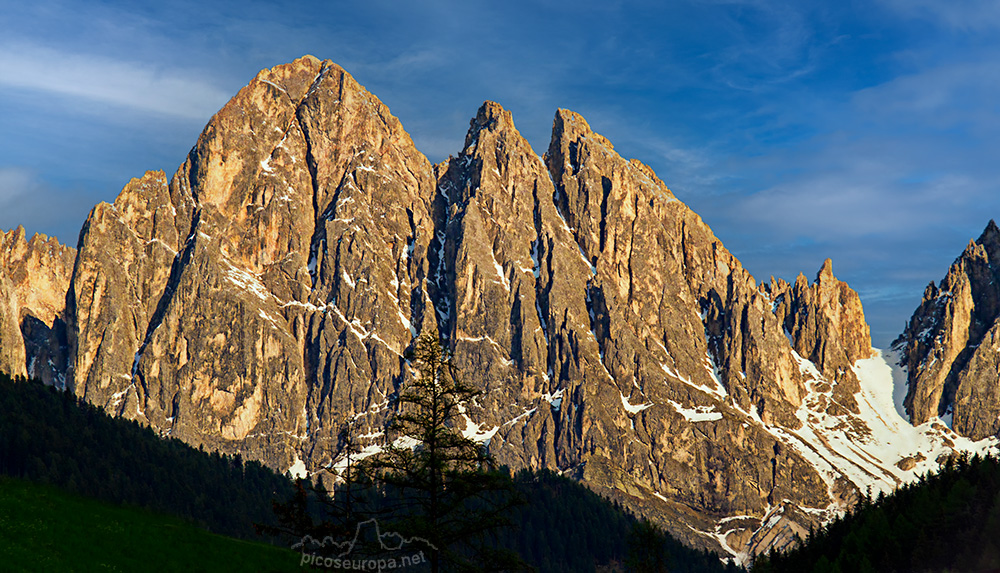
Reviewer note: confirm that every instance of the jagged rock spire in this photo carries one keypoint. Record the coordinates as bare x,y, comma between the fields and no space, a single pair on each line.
947,347
263,297
34,277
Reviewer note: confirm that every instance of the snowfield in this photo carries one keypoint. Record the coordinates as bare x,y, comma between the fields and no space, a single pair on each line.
869,448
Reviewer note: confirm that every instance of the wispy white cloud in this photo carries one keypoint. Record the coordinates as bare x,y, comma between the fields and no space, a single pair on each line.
171,92
414,63
25,199
957,93
851,206
963,15
767,43
14,182
688,168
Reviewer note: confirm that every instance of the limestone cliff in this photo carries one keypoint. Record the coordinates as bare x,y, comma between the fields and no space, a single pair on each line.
34,277
595,308
262,299
950,345
825,323
267,291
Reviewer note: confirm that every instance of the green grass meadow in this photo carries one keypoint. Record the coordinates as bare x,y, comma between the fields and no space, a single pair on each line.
46,529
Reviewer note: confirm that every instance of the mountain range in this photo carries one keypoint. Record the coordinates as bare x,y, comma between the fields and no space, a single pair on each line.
263,297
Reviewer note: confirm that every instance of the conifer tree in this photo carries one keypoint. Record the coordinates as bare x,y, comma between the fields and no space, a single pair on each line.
646,548
449,492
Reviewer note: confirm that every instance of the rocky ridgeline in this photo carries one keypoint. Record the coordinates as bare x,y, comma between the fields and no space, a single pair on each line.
951,345
825,324
34,277
264,296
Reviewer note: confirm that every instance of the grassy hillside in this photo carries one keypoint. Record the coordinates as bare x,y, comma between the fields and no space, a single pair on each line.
45,529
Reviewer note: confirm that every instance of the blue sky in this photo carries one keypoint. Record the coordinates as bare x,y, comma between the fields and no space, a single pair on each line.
861,131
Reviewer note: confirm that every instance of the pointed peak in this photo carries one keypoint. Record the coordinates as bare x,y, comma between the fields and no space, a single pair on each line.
307,62
17,239
40,238
990,234
801,282
17,234
569,125
308,59
491,111
570,119
970,249
825,272
295,78
491,117
140,192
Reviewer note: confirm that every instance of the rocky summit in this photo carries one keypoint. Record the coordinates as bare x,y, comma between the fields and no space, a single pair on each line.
951,346
263,297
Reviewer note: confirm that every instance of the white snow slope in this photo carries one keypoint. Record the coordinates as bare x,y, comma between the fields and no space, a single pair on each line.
863,448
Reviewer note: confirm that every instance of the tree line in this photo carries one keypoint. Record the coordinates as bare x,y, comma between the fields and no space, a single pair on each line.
948,521
432,483
49,436
483,516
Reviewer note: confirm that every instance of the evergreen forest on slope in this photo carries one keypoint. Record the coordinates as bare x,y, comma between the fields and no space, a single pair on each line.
52,437
944,522
949,521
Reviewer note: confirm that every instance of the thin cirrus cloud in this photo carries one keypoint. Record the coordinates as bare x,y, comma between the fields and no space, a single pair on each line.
14,182
27,200
974,15
955,94
910,154
168,92
771,43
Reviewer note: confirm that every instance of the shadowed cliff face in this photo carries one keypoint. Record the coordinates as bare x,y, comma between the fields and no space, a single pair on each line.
264,296
950,345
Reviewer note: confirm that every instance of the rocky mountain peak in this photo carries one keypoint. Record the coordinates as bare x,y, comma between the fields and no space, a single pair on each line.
947,346
990,235
296,78
261,300
825,275
492,117
570,126
39,268
277,254
825,323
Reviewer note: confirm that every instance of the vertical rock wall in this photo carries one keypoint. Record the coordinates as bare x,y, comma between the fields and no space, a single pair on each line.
263,298
949,346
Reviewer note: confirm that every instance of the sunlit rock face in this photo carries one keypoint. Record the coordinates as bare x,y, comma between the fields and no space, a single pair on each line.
34,276
825,323
951,345
603,318
263,298
266,292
